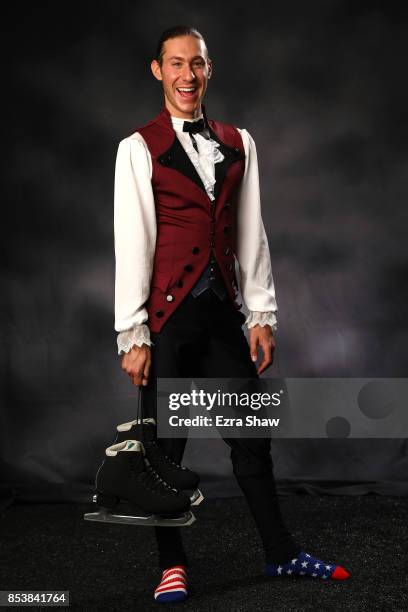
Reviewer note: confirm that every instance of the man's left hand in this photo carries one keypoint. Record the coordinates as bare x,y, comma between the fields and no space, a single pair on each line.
263,337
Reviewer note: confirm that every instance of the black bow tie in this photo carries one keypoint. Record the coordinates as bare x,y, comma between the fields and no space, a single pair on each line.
194,126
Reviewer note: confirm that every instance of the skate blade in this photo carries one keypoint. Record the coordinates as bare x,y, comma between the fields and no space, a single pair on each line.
105,516
196,498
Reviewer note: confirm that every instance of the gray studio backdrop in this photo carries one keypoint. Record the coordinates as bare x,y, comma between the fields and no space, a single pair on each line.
320,89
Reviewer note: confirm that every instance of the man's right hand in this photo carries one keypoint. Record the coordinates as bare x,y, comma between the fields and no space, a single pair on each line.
136,363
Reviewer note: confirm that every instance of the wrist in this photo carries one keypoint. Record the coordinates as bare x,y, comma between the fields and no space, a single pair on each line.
137,336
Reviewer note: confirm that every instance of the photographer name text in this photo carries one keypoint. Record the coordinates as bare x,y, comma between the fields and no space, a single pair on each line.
221,421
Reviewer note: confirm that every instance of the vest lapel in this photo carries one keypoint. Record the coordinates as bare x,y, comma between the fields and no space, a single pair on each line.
176,158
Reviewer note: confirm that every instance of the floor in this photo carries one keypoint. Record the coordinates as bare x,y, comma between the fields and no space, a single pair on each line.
113,567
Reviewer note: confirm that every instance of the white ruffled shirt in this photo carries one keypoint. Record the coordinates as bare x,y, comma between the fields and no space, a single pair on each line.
135,231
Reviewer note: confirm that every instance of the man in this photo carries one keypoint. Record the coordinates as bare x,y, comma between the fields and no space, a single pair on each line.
187,205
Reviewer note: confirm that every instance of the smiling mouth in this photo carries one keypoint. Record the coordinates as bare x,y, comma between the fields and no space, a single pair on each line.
187,93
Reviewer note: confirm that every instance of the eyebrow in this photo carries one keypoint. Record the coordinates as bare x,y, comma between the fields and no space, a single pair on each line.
181,58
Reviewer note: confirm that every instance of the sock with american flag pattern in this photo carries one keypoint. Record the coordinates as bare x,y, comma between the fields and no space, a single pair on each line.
173,585
307,565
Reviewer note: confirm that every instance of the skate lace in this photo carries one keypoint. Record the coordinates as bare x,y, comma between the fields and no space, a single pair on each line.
154,447
157,477
151,479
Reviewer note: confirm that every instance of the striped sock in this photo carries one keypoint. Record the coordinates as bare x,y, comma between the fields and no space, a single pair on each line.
173,585
307,565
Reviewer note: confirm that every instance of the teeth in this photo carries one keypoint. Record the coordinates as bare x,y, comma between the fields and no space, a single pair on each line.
186,88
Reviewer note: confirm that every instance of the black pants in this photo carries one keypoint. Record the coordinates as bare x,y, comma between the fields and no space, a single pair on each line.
204,338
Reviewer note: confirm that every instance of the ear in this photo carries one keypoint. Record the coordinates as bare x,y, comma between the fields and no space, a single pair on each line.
156,70
210,68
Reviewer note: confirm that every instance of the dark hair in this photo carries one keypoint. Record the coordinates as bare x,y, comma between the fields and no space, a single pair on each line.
179,30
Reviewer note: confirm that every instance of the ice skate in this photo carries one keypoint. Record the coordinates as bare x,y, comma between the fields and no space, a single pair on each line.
125,478
177,476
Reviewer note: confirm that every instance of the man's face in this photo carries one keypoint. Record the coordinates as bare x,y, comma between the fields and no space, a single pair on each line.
184,72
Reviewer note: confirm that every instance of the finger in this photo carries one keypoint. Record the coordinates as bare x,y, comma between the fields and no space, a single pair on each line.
146,371
137,380
264,366
253,349
273,348
135,374
267,358
269,353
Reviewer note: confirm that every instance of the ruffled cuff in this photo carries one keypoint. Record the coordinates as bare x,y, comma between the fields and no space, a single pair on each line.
262,319
138,335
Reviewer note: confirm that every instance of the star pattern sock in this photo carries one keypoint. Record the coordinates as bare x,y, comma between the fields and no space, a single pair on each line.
173,585
307,565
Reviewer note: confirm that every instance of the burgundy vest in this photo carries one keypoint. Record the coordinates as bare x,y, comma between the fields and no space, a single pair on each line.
189,224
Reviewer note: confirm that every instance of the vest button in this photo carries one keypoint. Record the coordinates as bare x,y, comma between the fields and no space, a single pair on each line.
229,267
195,250
169,297
227,251
227,205
188,268
237,151
179,283
159,313
226,229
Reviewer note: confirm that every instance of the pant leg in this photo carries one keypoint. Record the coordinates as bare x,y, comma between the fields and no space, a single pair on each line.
176,353
229,357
